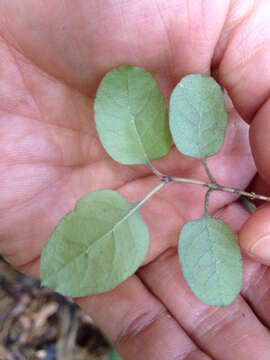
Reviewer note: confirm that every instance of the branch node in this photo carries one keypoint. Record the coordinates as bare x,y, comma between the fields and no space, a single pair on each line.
166,179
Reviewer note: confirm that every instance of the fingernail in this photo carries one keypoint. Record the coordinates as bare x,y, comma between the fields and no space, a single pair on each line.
261,248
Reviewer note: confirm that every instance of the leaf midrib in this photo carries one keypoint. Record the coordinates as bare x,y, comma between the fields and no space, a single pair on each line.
216,268
130,213
133,121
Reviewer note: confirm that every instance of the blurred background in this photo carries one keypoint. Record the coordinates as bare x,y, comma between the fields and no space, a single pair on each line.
36,323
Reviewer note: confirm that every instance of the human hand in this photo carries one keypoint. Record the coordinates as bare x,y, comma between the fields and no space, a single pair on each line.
52,57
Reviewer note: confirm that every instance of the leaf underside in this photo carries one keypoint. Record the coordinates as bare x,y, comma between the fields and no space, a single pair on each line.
131,116
94,247
198,116
211,260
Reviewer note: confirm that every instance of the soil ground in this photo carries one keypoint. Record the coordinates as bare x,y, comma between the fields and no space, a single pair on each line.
36,323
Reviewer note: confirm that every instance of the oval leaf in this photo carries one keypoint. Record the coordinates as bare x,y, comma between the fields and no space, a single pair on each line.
131,116
95,247
197,116
211,260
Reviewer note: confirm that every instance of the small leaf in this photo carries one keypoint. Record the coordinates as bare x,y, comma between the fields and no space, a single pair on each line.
114,355
131,116
95,247
198,116
211,260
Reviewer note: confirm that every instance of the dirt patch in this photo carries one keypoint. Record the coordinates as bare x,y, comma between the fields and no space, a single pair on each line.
36,323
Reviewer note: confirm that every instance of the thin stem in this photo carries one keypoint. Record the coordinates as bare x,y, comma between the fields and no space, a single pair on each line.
156,189
155,171
208,172
192,181
218,187
206,202
247,204
147,160
250,195
133,210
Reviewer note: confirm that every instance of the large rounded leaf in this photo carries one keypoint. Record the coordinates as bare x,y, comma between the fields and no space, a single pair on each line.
197,116
131,116
96,246
211,260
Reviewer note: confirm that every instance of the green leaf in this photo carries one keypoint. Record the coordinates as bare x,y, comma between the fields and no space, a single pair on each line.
211,260
96,246
114,355
198,116
131,116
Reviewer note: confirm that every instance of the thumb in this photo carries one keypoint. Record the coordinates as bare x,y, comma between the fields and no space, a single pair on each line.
254,236
244,72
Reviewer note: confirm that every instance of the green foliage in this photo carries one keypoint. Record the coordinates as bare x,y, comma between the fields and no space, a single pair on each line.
211,260
198,116
131,116
208,251
114,355
104,240
95,247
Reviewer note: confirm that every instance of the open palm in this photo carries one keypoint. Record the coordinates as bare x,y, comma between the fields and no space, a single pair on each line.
52,57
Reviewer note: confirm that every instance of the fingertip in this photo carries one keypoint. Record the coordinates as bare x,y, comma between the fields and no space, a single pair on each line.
254,237
259,141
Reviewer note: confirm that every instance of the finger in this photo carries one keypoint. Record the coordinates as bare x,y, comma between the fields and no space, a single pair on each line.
135,322
255,235
255,289
242,56
146,34
258,186
243,70
227,333
138,325
259,141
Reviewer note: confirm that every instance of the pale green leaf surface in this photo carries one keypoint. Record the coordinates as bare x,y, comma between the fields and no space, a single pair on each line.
197,116
131,116
95,247
211,260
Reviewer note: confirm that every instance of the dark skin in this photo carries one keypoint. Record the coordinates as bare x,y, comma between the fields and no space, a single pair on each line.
52,57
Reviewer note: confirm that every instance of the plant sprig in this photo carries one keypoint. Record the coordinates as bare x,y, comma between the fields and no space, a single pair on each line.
215,186
104,240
